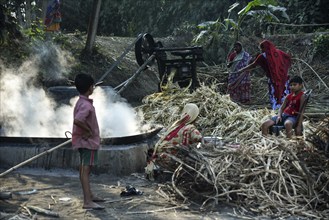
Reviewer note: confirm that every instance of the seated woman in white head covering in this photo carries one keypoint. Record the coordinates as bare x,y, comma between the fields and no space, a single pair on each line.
181,133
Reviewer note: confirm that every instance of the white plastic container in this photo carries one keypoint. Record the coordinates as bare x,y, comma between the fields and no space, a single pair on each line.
217,141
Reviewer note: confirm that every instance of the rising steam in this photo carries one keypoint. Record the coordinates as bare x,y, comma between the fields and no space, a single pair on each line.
27,110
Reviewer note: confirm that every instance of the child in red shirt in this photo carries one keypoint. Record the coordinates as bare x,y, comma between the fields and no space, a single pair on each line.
289,110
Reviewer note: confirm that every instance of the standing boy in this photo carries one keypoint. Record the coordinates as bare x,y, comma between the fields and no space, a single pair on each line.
85,136
289,110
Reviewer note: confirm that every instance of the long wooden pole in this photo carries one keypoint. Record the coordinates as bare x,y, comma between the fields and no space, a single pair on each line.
131,79
35,157
118,60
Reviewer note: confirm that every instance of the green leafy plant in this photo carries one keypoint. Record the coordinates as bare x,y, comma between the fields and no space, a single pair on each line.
210,29
260,12
36,31
223,32
321,45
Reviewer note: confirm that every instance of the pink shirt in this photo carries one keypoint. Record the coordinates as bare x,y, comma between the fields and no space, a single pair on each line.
84,111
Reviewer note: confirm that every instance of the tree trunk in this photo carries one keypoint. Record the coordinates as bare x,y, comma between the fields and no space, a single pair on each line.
28,14
19,15
43,5
92,27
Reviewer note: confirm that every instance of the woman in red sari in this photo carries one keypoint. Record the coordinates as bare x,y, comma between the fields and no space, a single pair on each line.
276,64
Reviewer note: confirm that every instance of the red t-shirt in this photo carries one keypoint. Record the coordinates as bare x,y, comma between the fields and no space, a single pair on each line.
293,104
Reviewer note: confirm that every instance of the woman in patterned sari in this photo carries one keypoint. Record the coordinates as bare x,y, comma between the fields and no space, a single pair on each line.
276,64
53,16
181,133
238,83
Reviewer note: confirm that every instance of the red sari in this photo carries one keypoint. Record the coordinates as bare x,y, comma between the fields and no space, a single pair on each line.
279,63
276,64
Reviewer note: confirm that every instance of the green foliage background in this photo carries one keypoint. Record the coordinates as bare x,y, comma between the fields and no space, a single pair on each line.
167,17
214,24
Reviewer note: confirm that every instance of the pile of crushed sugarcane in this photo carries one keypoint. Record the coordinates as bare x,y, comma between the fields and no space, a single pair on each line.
270,176
320,136
219,116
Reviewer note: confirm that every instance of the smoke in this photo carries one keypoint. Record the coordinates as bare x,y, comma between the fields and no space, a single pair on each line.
27,110
53,62
115,117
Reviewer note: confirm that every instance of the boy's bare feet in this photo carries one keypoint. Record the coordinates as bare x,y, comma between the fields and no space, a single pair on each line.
92,205
98,199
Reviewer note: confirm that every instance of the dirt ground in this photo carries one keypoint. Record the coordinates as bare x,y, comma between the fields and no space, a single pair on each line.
60,191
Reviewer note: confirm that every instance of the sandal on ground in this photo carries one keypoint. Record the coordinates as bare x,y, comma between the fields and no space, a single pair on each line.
94,207
131,191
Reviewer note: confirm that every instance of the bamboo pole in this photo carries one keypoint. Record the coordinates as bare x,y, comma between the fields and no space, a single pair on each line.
131,79
35,157
118,60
